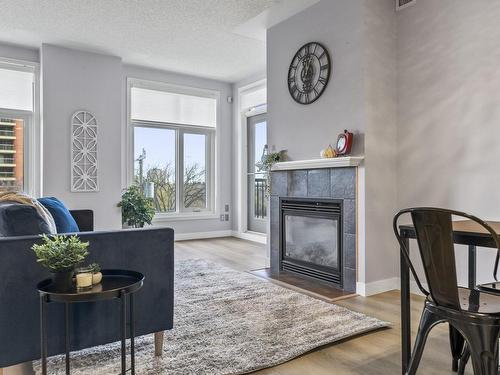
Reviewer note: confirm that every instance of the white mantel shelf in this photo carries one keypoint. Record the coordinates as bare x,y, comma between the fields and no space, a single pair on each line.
340,162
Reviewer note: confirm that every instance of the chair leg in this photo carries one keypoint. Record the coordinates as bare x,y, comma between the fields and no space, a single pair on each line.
159,336
463,360
457,343
427,321
483,346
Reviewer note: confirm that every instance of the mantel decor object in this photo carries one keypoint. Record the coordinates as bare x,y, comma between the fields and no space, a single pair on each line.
84,171
344,143
328,153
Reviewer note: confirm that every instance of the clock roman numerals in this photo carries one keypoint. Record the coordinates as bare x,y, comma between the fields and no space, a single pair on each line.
309,73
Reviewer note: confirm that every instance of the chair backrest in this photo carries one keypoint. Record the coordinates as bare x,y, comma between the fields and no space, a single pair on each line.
434,232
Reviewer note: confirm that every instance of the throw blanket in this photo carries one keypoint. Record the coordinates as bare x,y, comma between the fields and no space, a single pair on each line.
10,196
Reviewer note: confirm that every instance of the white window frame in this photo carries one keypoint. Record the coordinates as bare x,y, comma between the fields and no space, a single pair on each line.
211,149
32,129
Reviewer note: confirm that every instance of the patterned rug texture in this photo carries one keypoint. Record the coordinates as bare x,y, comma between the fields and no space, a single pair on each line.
227,322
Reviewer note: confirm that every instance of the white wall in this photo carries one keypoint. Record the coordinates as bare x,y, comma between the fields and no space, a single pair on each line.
75,80
449,112
224,134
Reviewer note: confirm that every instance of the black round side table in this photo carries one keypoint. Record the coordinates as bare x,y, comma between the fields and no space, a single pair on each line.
114,284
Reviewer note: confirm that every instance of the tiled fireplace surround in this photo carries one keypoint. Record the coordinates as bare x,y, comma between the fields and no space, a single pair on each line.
334,183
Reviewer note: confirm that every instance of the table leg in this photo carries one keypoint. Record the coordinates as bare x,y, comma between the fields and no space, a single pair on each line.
123,298
472,267
43,333
405,311
132,334
66,334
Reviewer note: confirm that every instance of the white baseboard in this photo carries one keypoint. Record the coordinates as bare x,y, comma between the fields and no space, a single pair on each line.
382,286
202,235
249,236
377,287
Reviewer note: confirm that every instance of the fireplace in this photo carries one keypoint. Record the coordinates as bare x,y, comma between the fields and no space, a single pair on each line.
311,238
323,200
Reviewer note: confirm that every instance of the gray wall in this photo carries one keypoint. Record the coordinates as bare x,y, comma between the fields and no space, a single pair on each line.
381,137
74,80
306,130
11,51
361,96
449,112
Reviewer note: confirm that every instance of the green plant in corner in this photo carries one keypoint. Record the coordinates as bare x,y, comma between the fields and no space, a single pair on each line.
266,165
137,210
60,253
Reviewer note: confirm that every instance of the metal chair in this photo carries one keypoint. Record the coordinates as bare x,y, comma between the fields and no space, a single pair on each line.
473,313
493,288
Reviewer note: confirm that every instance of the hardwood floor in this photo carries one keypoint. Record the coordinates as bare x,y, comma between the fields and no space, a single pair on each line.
376,353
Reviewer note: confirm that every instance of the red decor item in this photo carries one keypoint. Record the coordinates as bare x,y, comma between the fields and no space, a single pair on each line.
344,143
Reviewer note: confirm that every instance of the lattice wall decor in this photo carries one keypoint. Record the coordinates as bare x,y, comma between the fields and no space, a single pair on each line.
84,152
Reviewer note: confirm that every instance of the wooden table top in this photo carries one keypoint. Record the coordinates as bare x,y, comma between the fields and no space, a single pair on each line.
467,226
473,227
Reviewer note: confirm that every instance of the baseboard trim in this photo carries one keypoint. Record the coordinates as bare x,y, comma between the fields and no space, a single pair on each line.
255,237
377,287
382,286
202,235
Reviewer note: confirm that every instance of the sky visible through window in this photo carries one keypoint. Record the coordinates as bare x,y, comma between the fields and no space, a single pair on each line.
260,139
160,148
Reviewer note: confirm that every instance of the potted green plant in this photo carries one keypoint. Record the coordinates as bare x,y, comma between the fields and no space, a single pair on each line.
96,273
137,210
266,164
60,255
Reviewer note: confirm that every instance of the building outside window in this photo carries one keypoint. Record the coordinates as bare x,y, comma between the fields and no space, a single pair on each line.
173,131
17,93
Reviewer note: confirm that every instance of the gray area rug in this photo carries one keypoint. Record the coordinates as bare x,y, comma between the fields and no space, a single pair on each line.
228,322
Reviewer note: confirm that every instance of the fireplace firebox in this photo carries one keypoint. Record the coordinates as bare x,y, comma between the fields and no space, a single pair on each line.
311,238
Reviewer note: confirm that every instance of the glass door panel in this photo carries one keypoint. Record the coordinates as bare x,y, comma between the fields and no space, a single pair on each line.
257,180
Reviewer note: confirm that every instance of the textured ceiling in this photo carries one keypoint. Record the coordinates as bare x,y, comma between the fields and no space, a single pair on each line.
188,36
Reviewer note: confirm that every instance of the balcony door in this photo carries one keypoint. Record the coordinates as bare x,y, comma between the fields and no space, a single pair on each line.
257,180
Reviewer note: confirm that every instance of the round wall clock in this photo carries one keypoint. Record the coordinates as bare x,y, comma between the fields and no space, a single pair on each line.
309,73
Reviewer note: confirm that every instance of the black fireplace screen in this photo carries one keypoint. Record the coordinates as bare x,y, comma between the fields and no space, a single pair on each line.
311,238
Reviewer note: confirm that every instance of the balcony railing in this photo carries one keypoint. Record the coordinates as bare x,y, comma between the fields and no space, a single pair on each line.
7,133
7,161
7,122
260,209
7,174
6,147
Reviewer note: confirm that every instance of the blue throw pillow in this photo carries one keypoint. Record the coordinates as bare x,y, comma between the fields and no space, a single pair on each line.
65,223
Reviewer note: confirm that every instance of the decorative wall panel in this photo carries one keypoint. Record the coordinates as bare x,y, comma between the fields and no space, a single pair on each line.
84,172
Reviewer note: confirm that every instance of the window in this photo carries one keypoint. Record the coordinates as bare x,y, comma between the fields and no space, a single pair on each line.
173,131
17,89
